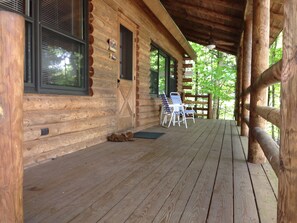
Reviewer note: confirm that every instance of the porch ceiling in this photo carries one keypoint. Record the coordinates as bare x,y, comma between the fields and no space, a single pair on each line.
220,20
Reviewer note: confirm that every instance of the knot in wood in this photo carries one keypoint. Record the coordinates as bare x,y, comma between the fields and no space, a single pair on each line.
281,165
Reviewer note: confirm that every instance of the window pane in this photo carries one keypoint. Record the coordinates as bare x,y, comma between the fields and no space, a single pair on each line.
28,54
154,70
63,15
162,74
126,53
15,5
62,61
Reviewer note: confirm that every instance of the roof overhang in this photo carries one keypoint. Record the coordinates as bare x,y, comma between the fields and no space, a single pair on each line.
162,15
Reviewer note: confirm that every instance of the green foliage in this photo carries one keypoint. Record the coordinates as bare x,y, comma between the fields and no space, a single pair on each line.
215,74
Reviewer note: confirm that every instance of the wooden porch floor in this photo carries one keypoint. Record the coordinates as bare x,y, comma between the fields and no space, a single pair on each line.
197,174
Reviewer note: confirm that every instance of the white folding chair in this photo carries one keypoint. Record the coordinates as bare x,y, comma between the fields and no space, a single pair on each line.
186,113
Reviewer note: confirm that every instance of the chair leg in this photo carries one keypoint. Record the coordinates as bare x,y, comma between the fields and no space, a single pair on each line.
185,120
186,123
171,117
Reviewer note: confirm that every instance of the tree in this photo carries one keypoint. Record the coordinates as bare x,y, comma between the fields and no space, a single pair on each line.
215,74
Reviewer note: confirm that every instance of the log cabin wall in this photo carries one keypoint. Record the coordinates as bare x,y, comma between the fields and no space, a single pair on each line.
77,122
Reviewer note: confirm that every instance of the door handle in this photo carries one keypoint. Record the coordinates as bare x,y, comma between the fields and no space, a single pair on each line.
118,83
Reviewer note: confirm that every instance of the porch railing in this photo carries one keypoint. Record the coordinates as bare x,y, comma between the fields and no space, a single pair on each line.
202,104
270,148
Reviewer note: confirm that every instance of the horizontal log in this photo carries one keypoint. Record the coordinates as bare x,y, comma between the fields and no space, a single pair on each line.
268,113
269,147
200,114
148,115
189,95
55,129
196,102
145,109
41,157
50,102
186,80
271,76
148,121
247,121
187,87
200,109
188,65
35,147
44,117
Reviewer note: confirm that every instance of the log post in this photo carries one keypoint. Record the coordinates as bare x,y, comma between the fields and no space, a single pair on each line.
11,116
260,62
238,86
209,108
287,190
246,69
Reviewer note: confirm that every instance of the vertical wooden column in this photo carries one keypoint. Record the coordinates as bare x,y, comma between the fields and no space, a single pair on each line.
287,178
260,62
11,116
209,110
246,70
238,85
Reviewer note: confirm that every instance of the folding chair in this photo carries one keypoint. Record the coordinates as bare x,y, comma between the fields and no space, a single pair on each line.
168,111
186,113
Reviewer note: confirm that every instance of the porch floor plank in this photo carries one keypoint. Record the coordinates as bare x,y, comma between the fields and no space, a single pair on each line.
197,174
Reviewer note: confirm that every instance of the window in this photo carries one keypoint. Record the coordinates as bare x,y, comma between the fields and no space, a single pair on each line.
56,50
126,53
163,72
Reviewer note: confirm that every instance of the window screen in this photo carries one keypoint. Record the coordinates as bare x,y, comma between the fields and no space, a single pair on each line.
126,53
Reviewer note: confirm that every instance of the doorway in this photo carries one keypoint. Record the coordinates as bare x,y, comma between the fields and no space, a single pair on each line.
126,88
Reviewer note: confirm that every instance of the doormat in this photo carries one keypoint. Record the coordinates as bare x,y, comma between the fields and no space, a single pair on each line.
148,135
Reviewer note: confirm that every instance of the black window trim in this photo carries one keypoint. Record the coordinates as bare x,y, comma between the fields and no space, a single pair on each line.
169,58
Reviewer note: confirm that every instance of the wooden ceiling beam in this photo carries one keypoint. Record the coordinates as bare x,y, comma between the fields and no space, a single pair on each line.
215,36
201,12
221,3
214,18
205,23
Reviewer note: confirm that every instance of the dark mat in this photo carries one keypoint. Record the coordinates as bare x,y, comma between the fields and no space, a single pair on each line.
148,135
